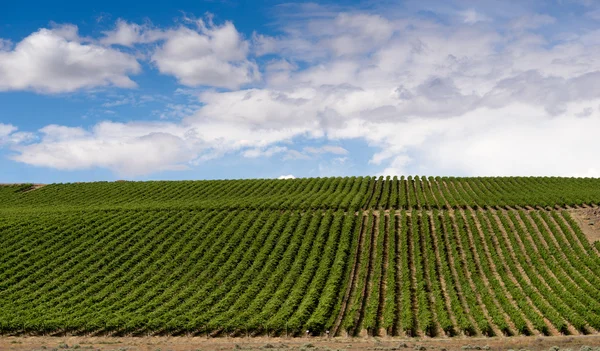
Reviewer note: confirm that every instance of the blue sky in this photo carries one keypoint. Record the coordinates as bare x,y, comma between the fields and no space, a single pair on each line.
230,89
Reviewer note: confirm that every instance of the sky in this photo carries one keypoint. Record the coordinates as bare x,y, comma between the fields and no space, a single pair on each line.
108,90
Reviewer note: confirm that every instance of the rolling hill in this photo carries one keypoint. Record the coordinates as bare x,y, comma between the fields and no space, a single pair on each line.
416,256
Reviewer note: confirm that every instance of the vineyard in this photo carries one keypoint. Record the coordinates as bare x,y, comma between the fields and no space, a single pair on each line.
415,256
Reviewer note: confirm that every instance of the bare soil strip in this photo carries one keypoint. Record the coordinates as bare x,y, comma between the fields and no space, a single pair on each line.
183,343
589,222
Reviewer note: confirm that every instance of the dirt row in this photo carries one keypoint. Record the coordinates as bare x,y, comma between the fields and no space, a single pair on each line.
532,343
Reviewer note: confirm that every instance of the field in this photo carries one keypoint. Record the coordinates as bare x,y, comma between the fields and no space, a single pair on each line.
412,257
158,343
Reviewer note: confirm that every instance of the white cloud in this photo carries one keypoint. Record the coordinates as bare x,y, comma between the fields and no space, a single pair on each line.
129,34
119,102
126,34
127,149
431,98
10,136
471,16
522,140
6,130
58,60
333,149
257,152
176,111
212,55
295,155
140,148
289,176
343,35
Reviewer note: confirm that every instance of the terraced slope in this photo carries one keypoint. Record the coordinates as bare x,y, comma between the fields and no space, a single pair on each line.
410,257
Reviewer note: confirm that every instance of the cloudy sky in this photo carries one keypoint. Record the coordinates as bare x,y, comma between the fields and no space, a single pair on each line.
246,89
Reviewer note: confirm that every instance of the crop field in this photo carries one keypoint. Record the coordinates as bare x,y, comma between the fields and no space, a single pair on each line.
416,256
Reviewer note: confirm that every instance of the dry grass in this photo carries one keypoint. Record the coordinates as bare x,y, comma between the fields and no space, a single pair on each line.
552,343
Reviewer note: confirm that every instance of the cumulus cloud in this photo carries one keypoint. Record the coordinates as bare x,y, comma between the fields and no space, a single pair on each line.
130,34
337,150
254,153
343,35
10,136
212,55
6,130
290,154
140,148
58,60
429,97
127,34
127,149
289,176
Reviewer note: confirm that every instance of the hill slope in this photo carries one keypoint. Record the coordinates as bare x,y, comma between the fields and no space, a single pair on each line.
416,256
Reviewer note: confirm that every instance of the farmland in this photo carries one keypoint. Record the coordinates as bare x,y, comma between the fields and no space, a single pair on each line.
415,256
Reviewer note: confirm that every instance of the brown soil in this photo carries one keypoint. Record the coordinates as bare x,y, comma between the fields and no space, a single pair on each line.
314,343
33,186
589,222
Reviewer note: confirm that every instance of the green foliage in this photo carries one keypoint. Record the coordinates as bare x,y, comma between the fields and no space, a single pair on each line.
409,255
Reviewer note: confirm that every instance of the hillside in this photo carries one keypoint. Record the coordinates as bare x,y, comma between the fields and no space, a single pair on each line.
379,256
